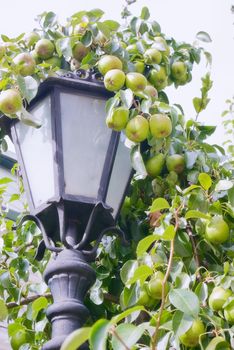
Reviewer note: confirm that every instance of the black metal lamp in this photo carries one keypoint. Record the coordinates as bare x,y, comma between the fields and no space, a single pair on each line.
75,172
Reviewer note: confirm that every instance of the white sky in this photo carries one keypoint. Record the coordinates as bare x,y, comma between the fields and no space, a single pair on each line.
181,19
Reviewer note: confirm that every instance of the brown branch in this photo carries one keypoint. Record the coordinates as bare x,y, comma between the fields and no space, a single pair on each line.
27,300
196,257
28,245
112,298
164,282
136,105
115,334
2,326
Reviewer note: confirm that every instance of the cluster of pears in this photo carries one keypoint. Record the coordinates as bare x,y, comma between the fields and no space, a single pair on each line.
137,129
217,302
154,58
151,291
151,294
36,50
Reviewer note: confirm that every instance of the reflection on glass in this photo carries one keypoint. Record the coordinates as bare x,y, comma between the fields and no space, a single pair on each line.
85,139
120,175
37,153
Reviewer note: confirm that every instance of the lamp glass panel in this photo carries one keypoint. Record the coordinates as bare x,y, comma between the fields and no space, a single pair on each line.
36,148
85,139
119,177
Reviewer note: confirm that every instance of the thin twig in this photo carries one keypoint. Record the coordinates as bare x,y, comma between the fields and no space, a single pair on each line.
27,300
115,334
136,105
2,326
112,298
29,245
196,257
164,282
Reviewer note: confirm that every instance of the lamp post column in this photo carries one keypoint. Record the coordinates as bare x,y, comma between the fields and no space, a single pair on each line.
69,277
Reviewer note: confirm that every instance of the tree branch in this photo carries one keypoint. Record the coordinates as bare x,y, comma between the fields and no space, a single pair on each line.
115,334
28,300
196,257
112,298
164,282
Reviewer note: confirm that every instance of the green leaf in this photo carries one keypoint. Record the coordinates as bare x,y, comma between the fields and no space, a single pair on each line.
113,25
159,204
104,29
135,25
124,314
138,163
14,328
5,180
145,14
3,310
168,234
190,158
223,185
164,107
231,196
163,342
64,47
99,334
218,343
203,36
129,296
79,16
127,97
49,20
38,305
202,291
197,103
129,333
128,269
220,149
95,14
28,119
110,104
181,323
190,188
5,38
28,87
206,129
185,301
76,338
196,214
144,244
96,293
208,57
141,274
205,181
4,145
87,39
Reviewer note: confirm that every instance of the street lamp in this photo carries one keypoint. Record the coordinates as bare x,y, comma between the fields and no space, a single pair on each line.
76,172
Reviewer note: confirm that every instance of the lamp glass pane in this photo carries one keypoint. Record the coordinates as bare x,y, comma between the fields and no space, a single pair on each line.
119,177
37,153
85,139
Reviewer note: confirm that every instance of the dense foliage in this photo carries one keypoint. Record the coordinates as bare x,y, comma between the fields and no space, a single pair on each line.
172,287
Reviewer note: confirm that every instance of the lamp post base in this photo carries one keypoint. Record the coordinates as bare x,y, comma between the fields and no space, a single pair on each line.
69,277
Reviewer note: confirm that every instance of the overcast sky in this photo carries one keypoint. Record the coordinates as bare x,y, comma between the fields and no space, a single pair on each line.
181,19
